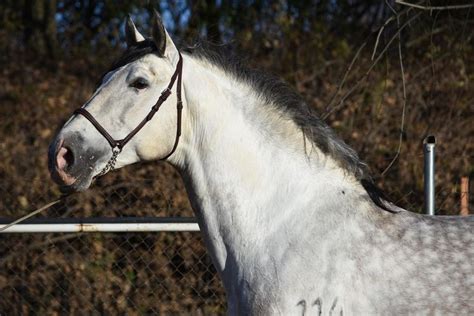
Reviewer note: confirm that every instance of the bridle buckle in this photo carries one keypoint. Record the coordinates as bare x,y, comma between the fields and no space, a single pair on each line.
165,94
117,149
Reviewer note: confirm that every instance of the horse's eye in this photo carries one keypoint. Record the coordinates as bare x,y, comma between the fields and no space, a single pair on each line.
139,84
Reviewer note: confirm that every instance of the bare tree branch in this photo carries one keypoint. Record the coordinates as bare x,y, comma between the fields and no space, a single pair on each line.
380,33
341,84
432,8
330,110
402,123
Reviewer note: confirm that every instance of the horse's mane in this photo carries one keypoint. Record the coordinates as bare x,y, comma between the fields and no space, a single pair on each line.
280,95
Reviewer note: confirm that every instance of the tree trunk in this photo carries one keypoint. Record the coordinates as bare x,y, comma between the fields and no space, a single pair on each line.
40,27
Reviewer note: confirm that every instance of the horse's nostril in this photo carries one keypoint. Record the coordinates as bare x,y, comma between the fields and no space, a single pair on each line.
65,158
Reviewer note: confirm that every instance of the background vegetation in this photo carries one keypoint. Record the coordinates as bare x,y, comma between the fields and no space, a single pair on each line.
383,75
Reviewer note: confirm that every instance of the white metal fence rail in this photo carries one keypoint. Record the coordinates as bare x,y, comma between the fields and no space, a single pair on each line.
117,225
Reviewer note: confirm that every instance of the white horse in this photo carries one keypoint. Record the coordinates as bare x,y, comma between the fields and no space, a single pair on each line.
288,213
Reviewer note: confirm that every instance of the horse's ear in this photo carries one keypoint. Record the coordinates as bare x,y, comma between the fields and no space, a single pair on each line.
132,36
163,41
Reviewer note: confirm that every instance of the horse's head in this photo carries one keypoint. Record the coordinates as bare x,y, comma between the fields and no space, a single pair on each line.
113,120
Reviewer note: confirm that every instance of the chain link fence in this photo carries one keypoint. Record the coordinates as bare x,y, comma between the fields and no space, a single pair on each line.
112,274
107,273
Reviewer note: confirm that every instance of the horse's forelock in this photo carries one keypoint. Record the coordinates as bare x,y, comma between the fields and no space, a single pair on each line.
131,54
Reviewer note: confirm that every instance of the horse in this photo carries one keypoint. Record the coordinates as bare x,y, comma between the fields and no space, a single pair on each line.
289,214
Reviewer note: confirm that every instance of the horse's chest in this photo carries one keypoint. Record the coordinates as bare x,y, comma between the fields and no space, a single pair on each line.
291,289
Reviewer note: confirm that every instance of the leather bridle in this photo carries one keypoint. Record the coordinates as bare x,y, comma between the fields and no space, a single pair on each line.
117,145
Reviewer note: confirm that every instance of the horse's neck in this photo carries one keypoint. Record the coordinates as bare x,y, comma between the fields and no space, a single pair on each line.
246,171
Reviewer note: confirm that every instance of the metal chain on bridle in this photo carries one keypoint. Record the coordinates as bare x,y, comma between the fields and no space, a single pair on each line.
117,145
110,165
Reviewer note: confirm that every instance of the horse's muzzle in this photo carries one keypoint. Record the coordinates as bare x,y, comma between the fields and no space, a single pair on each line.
70,165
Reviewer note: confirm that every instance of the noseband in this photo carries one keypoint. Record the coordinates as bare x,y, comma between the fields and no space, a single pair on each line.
117,145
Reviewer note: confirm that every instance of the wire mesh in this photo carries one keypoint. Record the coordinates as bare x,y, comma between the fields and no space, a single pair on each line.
159,273
107,273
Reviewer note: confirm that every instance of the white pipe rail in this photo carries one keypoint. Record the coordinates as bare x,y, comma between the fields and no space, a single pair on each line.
115,225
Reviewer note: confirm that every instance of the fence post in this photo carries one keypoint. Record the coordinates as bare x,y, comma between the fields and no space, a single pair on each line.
429,170
464,196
